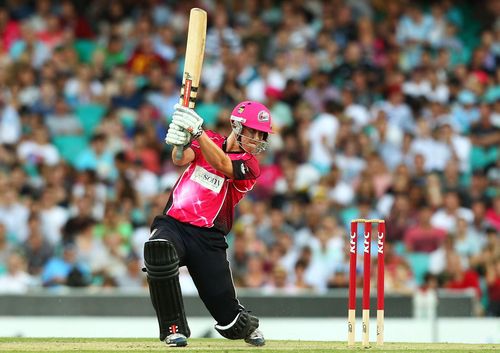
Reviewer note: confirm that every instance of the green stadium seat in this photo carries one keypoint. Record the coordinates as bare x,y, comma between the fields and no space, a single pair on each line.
70,146
419,263
90,115
481,157
400,248
85,50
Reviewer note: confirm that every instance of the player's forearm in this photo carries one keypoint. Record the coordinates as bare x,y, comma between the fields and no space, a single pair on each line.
187,156
215,156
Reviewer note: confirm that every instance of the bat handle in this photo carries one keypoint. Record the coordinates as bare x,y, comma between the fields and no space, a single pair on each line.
179,152
184,100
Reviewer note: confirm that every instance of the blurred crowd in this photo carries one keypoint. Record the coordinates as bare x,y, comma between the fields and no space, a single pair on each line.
382,109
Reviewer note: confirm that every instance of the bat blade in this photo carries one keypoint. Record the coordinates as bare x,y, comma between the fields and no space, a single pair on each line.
193,62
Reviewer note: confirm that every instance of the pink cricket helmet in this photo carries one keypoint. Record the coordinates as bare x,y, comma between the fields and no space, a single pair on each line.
254,115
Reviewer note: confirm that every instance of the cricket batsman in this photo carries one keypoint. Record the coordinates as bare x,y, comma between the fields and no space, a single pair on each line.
199,214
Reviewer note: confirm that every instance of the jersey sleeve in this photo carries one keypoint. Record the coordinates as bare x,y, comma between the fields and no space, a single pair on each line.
246,169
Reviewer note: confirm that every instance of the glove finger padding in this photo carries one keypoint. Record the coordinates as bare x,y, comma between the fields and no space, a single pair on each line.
188,119
177,136
174,126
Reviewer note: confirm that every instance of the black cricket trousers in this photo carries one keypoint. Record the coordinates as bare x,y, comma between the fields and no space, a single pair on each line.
203,252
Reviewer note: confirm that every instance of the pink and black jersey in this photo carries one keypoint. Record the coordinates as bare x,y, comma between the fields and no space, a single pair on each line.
205,197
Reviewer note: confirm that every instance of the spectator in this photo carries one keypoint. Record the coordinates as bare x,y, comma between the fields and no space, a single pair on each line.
460,278
133,278
321,136
493,214
13,215
97,158
36,249
5,248
37,150
10,124
65,270
446,217
62,122
493,283
416,132
424,236
255,276
16,280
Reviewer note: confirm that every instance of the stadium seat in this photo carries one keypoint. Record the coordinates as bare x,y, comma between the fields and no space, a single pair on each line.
70,146
90,115
419,263
85,50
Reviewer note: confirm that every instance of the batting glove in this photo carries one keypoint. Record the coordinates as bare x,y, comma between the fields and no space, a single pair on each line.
188,119
177,136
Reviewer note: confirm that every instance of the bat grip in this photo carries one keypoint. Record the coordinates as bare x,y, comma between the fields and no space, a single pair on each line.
179,152
185,98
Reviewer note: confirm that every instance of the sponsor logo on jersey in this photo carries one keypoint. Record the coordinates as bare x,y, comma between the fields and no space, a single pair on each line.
244,169
206,179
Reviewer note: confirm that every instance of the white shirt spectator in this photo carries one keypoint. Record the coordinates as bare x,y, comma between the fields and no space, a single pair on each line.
399,115
17,283
350,166
439,93
139,237
146,183
321,135
53,219
437,261
342,193
359,114
420,88
323,262
215,37
15,280
81,92
10,125
442,219
410,30
305,177
165,50
29,95
462,148
436,154
14,216
33,151
213,74
92,252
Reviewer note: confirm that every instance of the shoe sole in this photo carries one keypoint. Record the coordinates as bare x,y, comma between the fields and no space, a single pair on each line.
256,344
177,344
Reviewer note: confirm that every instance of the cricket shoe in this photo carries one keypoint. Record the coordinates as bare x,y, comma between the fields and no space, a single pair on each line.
176,340
256,338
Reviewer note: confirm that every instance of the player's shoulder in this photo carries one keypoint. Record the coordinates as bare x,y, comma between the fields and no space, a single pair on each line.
248,164
214,136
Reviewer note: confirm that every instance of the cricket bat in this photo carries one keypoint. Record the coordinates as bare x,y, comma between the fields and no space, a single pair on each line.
195,49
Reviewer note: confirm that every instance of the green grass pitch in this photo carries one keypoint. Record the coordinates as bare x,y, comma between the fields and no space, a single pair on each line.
104,345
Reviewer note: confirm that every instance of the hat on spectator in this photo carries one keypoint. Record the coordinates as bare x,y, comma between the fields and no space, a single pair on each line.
272,92
481,76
